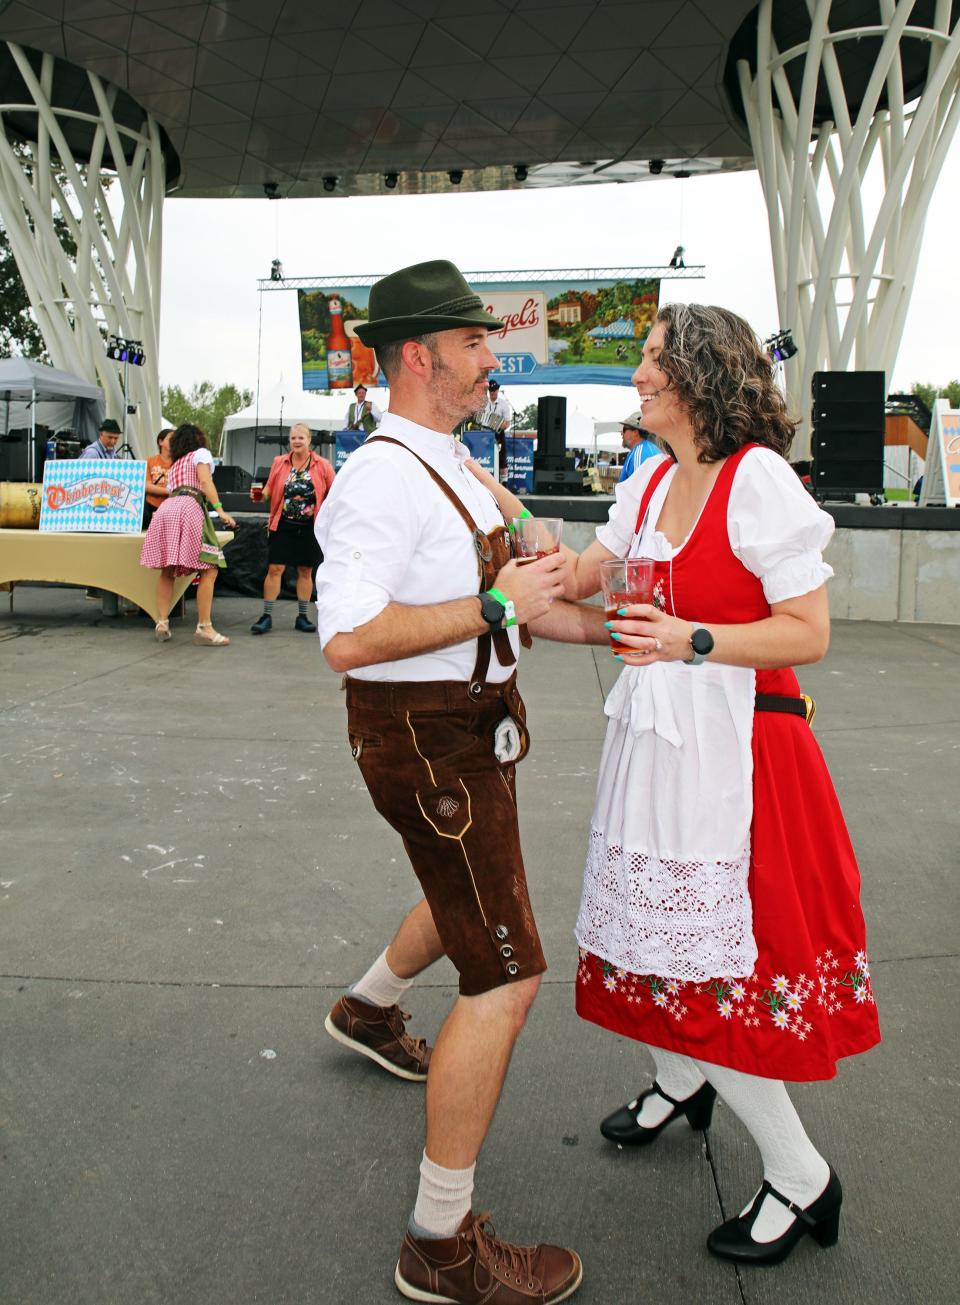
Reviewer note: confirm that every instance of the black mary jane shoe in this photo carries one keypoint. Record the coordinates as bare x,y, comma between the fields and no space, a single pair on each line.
622,1126
821,1219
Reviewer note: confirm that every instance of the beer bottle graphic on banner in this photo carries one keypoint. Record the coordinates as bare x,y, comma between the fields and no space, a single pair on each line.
339,357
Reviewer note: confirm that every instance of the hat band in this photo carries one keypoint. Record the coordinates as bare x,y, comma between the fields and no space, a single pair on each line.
451,307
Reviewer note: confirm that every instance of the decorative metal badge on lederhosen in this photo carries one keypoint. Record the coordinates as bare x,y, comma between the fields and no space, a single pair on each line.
494,550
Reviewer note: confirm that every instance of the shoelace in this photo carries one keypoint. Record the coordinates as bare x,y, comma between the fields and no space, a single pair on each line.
396,1020
518,1259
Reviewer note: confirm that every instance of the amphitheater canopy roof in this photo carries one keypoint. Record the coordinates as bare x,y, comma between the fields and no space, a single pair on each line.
288,93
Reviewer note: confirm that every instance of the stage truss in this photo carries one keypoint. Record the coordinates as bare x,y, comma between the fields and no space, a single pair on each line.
112,285
843,285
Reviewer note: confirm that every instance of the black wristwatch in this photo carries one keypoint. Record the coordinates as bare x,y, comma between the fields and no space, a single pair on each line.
701,643
492,611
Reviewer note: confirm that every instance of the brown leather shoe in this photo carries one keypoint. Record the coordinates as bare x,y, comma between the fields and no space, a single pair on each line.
475,1266
378,1032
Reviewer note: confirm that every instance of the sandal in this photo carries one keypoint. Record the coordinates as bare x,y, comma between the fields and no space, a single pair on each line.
212,639
162,631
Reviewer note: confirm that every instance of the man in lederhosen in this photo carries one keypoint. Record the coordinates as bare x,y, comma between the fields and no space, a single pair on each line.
419,603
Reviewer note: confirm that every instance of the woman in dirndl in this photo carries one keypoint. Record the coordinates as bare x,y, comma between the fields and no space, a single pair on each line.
720,921
181,538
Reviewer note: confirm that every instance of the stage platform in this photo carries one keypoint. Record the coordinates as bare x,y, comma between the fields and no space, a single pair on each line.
891,563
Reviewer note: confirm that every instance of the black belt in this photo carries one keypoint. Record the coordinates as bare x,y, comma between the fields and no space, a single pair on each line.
803,706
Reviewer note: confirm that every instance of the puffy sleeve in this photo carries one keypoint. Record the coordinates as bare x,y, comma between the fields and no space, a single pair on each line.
621,524
201,456
776,528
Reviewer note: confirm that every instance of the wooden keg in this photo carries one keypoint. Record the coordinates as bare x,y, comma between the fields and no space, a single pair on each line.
19,506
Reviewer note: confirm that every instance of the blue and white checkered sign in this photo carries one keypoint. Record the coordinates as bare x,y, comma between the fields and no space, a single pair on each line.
104,496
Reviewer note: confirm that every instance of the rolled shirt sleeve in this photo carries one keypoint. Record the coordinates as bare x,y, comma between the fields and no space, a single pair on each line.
367,529
776,528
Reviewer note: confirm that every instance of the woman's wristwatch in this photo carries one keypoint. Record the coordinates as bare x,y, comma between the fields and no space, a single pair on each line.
701,645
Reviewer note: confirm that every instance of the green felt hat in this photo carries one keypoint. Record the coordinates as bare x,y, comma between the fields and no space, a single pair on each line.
416,300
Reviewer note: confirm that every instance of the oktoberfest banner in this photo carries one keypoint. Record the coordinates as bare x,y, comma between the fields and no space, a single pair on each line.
555,332
99,495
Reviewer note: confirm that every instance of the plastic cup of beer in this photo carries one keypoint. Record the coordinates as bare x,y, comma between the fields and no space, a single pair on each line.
537,536
256,491
625,581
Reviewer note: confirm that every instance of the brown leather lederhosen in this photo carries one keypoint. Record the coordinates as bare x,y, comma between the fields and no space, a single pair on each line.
425,750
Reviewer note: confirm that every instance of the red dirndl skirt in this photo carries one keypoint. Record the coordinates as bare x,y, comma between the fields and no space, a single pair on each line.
809,1001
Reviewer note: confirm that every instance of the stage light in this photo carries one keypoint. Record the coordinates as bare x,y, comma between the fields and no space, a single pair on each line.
655,166
271,189
330,184
276,270
126,351
677,260
780,346
520,172
456,176
390,180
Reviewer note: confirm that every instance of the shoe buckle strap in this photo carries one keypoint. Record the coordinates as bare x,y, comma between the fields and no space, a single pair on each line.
803,1215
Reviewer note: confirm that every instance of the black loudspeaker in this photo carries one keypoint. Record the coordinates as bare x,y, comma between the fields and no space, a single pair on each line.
231,480
14,455
848,430
551,432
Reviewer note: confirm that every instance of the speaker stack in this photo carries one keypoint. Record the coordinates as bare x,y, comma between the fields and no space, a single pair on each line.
848,430
553,469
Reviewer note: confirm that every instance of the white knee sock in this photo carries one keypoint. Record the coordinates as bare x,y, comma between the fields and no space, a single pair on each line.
443,1199
679,1076
791,1163
380,986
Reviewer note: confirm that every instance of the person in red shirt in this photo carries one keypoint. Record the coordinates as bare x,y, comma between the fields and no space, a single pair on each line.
298,483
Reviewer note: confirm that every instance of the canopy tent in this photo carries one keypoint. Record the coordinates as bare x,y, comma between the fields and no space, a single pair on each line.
30,391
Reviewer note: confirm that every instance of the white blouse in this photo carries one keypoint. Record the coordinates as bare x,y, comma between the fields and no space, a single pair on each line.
666,884
774,526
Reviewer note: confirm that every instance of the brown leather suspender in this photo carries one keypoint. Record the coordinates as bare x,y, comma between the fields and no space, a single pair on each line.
493,552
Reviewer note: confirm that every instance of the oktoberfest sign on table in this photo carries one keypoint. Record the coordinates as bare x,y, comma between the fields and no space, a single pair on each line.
102,495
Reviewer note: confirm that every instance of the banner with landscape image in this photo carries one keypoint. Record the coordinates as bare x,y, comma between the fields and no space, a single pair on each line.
557,332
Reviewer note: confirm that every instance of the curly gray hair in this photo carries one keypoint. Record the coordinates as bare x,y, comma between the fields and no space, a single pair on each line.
717,367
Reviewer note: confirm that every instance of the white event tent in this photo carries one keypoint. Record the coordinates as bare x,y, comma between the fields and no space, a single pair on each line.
594,414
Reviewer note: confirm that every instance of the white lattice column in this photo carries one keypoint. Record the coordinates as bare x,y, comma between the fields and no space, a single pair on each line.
844,275
112,285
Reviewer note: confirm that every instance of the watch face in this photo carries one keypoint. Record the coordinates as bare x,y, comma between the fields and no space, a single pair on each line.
493,611
701,641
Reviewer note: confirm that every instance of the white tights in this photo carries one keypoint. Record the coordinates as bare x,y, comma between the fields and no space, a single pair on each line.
791,1163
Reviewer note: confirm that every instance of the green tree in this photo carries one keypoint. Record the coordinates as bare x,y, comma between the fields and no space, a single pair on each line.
526,418
925,392
205,405
951,392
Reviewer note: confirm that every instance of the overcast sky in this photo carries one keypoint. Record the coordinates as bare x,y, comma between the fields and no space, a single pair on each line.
215,250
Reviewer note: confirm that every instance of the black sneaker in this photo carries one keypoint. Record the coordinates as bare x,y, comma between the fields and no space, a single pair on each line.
263,625
305,624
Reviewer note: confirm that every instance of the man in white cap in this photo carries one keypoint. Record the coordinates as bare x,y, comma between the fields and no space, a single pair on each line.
638,441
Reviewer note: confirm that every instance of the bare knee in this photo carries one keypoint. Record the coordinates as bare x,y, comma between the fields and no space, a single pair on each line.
276,568
507,1005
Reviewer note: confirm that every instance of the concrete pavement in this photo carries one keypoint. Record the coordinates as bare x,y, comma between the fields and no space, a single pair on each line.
192,871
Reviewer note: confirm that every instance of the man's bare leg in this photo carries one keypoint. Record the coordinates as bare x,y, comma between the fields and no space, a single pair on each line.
468,1068
416,944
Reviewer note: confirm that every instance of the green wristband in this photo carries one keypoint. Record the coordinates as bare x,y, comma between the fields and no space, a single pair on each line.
522,515
509,615
216,505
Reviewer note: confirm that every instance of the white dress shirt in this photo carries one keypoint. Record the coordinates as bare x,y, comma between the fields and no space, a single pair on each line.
354,410
389,535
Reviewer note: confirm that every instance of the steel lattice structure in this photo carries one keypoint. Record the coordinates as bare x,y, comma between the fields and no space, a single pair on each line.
112,286
844,277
